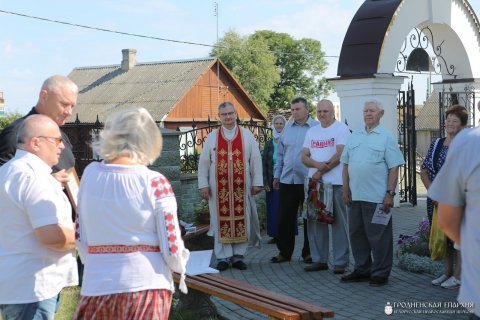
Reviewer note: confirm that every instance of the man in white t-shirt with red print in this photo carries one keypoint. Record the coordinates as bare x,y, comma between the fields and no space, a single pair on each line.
322,149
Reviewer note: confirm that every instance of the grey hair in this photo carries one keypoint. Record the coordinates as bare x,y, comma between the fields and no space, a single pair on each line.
53,83
375,101
131,132
226,104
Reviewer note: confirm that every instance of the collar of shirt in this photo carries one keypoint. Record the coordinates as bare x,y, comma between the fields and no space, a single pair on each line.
310,122
229,133
374,130
33,160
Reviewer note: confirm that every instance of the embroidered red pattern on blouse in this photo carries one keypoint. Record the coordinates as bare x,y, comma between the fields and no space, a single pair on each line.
163,189
120,248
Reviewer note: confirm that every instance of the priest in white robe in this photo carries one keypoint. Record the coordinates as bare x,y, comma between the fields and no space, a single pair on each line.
229,176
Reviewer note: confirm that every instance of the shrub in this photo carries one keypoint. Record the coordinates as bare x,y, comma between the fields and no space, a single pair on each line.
8,118
416,244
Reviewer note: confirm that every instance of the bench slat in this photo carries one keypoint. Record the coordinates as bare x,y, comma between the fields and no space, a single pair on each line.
242,294
315,311
277,312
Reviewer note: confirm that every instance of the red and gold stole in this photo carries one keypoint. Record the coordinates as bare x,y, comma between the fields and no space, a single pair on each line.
231,185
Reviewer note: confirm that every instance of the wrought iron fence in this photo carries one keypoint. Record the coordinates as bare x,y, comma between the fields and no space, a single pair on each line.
408,145
191,141
80,135
190,144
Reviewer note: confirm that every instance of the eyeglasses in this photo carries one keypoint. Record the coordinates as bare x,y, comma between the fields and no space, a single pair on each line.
56,140
226,114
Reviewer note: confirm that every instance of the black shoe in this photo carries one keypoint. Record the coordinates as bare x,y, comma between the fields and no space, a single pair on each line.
378,281
355,277
272,241
338,270
240,265
279,259
307,259
317,266
222,266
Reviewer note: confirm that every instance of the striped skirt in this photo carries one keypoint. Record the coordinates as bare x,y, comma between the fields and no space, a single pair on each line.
148,304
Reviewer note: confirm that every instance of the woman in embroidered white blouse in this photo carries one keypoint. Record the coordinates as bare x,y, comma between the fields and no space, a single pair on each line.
129,236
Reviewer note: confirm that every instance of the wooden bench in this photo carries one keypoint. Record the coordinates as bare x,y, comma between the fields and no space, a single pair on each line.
200,229
275,305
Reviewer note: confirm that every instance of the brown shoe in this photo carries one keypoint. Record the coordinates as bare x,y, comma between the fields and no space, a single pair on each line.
317,266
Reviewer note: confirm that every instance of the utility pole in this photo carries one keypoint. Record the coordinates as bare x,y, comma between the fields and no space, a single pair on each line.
216,13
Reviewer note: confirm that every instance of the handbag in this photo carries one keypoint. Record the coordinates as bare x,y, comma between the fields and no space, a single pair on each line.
316,208
438,241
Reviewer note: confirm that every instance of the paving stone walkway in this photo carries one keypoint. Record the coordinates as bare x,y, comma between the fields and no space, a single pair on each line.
348,301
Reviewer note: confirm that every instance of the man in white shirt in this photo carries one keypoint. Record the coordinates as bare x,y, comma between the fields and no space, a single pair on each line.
321,153
37,238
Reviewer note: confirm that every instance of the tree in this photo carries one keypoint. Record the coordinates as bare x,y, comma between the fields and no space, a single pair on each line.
301,64
252,63
7,119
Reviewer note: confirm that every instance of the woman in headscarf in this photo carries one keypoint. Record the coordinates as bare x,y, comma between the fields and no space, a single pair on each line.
269,159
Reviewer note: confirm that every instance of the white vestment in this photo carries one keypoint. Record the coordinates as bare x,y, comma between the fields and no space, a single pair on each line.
253,177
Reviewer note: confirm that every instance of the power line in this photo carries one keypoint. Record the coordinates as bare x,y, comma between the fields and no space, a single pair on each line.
135,34
108,30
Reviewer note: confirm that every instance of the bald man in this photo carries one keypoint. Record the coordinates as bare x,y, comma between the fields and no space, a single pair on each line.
57,97
321,153
37,238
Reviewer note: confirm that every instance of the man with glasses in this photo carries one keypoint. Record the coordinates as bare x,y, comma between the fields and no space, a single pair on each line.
56,100
229,175
37,238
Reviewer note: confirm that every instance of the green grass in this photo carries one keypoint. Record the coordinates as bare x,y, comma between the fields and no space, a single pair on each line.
68,303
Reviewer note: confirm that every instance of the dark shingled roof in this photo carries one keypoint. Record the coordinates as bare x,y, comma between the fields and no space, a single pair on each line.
156,86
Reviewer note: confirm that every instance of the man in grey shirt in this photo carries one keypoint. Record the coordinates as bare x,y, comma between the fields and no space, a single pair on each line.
289,177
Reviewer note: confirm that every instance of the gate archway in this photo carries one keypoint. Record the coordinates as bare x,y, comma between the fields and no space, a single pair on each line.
375,37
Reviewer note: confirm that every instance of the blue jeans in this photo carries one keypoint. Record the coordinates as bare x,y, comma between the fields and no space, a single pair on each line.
41,310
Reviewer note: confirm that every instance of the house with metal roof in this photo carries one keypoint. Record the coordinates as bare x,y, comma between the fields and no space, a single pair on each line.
427,123
174,92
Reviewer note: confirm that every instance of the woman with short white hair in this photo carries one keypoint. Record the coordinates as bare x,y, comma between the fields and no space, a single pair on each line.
129,236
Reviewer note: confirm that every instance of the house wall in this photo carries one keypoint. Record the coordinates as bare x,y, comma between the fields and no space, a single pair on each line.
202,100
423,142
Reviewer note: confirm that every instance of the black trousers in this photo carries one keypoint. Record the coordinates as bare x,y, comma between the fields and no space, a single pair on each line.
291,197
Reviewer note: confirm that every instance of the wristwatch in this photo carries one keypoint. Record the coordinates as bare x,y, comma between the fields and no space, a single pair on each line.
391,192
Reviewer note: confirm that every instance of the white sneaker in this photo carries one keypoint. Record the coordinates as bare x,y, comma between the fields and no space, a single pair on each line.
439,280
451,283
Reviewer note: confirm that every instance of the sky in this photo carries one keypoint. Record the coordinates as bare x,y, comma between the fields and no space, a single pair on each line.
32,50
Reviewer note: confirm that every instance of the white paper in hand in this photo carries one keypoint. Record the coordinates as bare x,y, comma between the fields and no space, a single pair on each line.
199,262
380,217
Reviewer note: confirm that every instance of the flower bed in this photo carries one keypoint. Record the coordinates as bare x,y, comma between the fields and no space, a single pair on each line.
413,252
